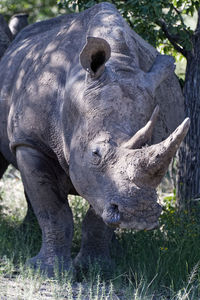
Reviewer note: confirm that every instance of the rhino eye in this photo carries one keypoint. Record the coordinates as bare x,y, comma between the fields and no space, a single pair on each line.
96,156
96,152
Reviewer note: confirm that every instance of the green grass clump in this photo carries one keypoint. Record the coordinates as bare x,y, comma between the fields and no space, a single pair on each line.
156,265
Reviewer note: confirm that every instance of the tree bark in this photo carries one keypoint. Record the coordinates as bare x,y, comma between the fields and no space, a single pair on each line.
188,189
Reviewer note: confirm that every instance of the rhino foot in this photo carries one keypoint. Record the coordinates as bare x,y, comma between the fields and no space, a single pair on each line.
51,269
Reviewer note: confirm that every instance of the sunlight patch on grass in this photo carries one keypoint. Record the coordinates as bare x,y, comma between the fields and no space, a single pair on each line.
12,199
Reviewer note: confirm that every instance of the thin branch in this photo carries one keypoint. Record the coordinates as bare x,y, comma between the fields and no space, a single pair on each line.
179,14
173,39
181,19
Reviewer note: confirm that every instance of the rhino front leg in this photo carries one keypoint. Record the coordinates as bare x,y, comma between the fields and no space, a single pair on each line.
41,177
95,244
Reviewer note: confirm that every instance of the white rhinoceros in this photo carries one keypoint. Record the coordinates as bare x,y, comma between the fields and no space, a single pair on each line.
79,98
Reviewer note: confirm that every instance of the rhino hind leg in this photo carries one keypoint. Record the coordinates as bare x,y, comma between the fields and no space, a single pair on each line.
40,176
95,244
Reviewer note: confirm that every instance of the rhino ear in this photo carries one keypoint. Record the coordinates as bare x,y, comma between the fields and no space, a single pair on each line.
162,68
94,55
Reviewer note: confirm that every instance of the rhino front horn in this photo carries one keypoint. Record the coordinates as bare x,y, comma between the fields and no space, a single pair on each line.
155,159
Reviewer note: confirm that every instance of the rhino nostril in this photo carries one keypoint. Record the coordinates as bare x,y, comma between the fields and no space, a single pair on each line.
111,215
114,207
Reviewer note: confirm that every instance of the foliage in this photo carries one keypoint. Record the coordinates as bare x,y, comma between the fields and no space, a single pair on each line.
37,9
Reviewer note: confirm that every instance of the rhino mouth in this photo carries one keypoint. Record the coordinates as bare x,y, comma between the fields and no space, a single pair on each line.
137,219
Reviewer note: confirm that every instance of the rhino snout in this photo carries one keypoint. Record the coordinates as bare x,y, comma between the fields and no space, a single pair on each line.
138,218
142,218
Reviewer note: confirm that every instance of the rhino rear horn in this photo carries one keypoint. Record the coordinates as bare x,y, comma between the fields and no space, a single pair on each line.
94,55
155,159
144,135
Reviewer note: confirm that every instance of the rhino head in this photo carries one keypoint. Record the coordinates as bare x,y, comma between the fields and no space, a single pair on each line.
116,172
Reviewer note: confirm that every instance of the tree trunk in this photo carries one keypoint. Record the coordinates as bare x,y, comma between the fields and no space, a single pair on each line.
188,189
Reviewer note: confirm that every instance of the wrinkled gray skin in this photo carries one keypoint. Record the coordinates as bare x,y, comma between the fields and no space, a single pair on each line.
80,96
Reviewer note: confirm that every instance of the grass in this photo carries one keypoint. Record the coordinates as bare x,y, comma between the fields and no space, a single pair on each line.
157,265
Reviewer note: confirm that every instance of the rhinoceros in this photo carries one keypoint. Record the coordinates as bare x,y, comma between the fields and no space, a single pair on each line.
79,98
